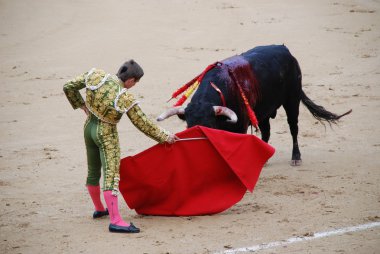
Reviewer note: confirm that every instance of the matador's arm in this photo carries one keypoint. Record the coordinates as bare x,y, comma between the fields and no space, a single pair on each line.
71,90
145,125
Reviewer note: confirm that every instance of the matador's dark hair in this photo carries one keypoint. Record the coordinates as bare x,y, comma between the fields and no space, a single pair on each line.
130,69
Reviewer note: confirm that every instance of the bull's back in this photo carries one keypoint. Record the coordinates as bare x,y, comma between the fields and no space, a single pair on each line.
272,66
269,50
270,62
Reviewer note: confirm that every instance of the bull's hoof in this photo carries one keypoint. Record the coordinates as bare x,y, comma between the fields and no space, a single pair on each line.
295,162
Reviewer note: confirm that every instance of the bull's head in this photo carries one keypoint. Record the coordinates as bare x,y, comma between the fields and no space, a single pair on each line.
200,113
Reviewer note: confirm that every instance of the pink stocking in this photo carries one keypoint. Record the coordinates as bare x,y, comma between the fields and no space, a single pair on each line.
95,196
113,209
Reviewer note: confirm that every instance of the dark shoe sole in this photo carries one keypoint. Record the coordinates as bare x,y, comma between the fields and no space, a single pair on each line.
99,214
131,229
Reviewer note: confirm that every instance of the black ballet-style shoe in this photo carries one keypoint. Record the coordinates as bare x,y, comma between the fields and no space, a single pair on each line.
120,229
98,214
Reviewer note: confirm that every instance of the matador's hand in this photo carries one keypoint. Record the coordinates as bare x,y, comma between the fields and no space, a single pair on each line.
172,138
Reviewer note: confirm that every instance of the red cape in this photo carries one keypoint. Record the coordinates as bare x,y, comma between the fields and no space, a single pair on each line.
194,177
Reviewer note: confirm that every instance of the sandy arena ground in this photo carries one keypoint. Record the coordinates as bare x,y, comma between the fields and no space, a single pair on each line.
45,207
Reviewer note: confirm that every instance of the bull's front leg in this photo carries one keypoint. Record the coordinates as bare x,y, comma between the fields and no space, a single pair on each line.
264,126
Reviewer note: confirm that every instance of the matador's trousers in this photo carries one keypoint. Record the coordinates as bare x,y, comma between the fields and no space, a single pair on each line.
103,151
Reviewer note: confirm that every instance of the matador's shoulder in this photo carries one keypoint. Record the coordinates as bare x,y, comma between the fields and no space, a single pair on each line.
125,101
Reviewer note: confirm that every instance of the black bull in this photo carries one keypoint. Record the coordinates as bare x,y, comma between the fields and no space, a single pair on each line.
279,83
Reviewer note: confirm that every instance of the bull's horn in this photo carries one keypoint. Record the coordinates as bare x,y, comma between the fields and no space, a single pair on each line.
171,112
219,110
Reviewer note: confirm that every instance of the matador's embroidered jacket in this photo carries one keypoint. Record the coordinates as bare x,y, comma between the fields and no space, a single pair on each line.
108,100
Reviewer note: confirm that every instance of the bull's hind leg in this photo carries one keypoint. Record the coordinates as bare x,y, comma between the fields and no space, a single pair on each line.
292,112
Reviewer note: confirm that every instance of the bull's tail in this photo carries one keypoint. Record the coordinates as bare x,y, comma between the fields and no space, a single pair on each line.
319,112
